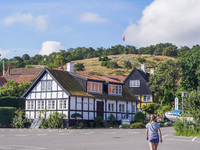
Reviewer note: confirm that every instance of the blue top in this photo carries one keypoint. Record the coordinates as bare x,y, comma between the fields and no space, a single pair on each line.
153,129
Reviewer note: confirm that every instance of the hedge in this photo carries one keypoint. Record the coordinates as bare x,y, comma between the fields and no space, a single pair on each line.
6,115
12,102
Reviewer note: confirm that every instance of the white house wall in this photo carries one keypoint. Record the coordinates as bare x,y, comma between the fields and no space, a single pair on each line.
56,93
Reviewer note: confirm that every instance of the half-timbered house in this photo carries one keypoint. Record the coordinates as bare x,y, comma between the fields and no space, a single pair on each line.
69,93
137,83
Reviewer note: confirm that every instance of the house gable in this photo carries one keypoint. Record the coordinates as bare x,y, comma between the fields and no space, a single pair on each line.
143,89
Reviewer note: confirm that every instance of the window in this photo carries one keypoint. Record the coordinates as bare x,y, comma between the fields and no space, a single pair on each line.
134,83
30,105
40,105
110,106
46,85
121,107
133,108
115,89
147,98
94,87
51,104
137,96
62,104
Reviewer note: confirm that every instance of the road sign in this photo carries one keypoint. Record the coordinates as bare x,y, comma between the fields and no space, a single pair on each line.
176,103
176,111
173,103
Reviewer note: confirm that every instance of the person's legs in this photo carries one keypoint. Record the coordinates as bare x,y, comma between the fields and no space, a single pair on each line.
151,145
155,146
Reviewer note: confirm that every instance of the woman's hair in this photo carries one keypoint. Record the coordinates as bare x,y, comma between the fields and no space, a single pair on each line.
152,118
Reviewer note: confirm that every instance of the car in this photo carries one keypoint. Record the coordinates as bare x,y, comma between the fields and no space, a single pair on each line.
170,116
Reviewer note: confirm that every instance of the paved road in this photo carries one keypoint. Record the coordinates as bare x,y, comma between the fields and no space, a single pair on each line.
90,139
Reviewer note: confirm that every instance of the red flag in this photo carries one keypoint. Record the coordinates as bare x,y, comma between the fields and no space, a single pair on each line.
124,38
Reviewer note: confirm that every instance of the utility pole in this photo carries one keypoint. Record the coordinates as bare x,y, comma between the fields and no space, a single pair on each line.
182,95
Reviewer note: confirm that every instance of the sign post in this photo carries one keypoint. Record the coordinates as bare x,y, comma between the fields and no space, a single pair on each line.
176,103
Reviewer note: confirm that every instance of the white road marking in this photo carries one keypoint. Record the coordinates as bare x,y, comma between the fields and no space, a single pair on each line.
41,134
108,132
133,132
86,132
164,135
194,139
23,146
21,135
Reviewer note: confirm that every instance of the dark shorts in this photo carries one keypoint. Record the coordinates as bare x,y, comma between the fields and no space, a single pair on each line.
154,139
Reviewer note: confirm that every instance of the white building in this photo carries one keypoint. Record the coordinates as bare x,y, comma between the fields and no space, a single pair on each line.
69,93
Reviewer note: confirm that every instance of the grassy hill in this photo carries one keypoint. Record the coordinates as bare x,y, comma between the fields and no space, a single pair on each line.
93,64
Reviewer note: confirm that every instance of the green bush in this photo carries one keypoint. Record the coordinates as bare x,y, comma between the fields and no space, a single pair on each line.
139,117
44,124
12,102
104,63
19,120
185,130
98,121
111,119
81,125
6,115
137,125
126,126
55,120
91,124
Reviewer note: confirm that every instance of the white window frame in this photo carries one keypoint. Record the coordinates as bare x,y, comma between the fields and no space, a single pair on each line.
51,105
134,108
122,107
62,104
30,105
99,89
134,83
40,104
146,98
117,90
137,96
49,85
44,86
112,107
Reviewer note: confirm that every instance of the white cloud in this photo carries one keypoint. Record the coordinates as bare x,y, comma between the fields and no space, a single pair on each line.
171,21
92,18
49,47
38,22
3,53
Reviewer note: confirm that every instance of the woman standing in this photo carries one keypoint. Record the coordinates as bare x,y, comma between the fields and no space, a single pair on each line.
153,132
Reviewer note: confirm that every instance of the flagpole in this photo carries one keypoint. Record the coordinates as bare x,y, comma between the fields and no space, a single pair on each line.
124,47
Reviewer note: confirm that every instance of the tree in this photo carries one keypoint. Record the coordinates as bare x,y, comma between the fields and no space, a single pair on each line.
191,69
127,65
163,82
192,105
150,108
26,57
169,51
78,67
141,60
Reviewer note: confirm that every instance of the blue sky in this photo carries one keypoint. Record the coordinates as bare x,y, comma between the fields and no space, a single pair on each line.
44,26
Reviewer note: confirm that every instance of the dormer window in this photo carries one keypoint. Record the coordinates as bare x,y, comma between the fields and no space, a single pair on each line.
134,83
94,87
115,89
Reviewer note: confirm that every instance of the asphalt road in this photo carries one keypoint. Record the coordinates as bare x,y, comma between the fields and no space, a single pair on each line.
90,139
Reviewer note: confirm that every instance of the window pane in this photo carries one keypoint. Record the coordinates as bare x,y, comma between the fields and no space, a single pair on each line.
48,85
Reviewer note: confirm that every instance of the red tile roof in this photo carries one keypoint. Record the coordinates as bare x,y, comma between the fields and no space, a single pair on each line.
110,78
2,80
22,75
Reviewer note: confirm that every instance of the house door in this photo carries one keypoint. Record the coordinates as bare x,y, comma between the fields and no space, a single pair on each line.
100,109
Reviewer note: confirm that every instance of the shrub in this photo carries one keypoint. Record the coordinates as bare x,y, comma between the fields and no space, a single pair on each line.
44,124
6,115
104,63
112,65
126,126
19,120
137,125
12,102
91,124
55,120
111,119
98,121
139,117
78,67
81,125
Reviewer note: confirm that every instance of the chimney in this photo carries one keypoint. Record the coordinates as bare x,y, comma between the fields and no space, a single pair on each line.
143,68
70,67
9,67
152,70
